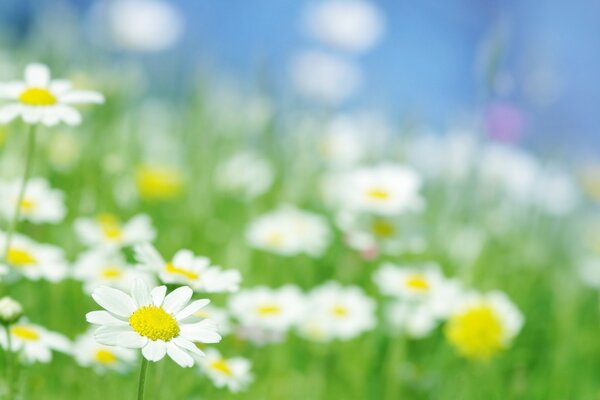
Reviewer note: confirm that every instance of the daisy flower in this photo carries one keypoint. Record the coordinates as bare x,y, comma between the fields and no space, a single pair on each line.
266,308
34,261
88,353
10,310
40,202
232,373
187,269
159,325
483,325
100,267
38,99
408,282
108,231
219,315
34,342
246,174
289,231
336,312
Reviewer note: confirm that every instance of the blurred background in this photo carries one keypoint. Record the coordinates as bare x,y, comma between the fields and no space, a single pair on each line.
525,71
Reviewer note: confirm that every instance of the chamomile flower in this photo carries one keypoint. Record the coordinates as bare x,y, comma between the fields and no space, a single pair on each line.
408,282
38,99
187,269
219,315
34,261
289,231
108,231
385,189
10,310
275,310
89,353
159,325
34,342
246,174
100,267
40,202
232,373
483,325
159,182
336,312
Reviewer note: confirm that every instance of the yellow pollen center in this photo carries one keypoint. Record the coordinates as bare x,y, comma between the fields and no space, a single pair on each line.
268,309
111,227
378,194
417,282
339,311
154,323
221,366
173,269
20,257
36,96
27,205
111,272
104,356
24,333
476,333
383,228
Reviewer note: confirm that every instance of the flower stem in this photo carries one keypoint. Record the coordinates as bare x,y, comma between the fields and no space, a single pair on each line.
9,363
26,173
142,380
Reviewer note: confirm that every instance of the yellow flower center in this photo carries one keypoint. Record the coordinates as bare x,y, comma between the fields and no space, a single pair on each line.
24,333
383,228
27,205
104,356
378,194
154,323
173,269
111,272
417,282
339,311
476,333
221,366
110,226
268,309
275,239
159,182
35,96
20,257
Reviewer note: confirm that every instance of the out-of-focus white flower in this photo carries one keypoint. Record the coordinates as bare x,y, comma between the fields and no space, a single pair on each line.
589,272
187,269
413,319
88,353
40,202
10,310
408,282
324,77
34,261
34,342
232,373
159,325
344,143
483,324
38,99
144,25
246,174
385,189
289,231
271,309
219,315
352,25
101,267
107,231
336,312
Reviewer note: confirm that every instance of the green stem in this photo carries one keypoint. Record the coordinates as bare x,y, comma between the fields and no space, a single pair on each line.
26,173
142,380
9,364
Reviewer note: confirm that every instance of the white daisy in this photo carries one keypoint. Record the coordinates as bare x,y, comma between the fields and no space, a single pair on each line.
34,261
336,312
38,99
407,282
289,231
219,315
232,373
34,342
187,269
246,174
148,320
417,320
108,231
88,353
40,202
100,267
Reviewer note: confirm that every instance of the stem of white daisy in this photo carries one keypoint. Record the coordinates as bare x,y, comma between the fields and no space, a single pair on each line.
142,380
26,173
9,363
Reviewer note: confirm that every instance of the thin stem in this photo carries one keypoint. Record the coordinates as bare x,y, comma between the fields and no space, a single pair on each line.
9,364
142,380
26,173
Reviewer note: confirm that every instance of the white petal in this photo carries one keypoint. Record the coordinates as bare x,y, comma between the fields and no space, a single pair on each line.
177,299
103,318
114,301
191,308
204,331
81,97
141,293
10,112
189,346
179,356
11,90
109,335
59,86
37,75
50,118
32,115
158,295
131,340
68,114
154,350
